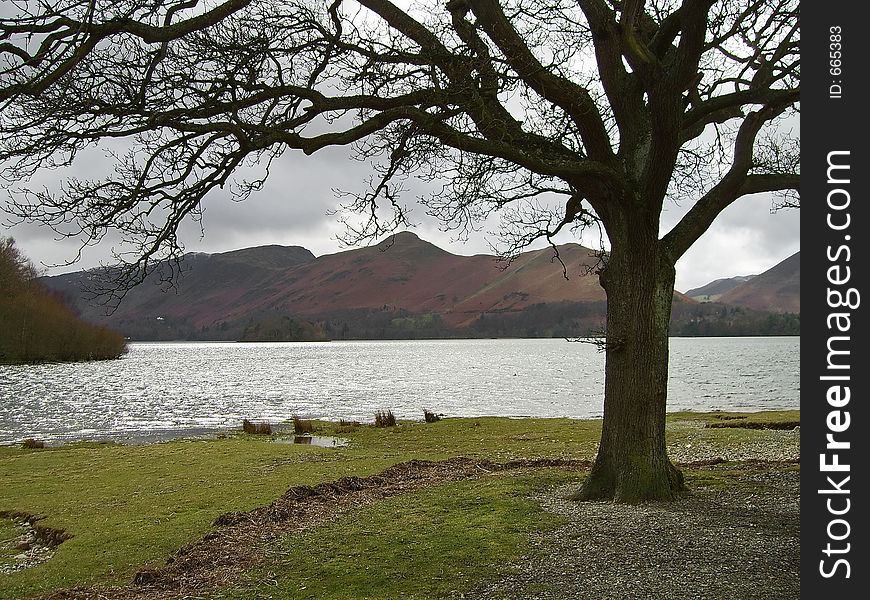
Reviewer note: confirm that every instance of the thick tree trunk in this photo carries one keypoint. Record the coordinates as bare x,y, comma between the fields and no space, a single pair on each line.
632,464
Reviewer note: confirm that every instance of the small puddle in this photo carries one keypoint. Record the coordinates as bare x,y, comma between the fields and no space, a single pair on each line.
314,440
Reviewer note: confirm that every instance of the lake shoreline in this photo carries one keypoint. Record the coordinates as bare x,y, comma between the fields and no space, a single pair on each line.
283,429
151,502
206,387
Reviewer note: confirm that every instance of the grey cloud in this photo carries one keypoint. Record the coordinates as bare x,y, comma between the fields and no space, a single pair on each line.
746,239
292,210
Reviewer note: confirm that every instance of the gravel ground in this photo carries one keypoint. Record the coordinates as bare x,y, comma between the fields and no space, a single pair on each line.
740,541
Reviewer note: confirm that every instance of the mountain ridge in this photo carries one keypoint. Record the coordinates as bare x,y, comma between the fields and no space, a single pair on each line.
402,286
775,290
711,292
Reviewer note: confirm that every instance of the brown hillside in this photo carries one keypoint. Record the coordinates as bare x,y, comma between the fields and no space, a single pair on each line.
409,273
220,295
777,290
206,287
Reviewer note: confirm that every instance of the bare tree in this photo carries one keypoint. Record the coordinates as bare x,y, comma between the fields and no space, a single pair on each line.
614,106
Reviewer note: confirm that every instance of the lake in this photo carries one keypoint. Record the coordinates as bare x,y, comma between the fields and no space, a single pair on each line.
163,390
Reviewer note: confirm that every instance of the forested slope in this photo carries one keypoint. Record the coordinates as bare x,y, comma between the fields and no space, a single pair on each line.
36,326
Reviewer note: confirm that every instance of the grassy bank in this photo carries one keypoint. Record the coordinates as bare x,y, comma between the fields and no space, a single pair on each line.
130,507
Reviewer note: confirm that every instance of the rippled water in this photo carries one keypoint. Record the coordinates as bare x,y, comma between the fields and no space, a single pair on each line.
162,390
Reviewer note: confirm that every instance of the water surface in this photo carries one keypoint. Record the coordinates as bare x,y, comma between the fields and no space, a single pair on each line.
162,390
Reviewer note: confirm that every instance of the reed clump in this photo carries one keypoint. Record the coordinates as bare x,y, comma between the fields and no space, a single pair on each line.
256,428
385,418
302,426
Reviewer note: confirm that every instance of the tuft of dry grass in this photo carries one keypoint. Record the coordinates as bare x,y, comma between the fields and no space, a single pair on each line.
31,444
345,426
256,428
302,426
385,418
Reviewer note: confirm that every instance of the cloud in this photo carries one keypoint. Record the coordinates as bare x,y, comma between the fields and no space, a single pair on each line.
293,209
746,239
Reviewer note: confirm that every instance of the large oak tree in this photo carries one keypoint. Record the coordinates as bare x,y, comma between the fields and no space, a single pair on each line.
617,107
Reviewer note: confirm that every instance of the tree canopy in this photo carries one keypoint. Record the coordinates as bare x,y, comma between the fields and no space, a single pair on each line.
502,102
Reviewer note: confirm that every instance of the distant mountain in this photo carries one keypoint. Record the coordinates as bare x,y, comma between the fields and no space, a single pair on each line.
208,285
409,273
776,290
713,290
403,287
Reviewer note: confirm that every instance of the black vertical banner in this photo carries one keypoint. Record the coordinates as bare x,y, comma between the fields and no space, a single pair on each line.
835,225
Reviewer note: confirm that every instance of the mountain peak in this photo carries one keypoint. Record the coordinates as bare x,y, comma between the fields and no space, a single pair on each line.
711,291
408,241
271,256
402,237
776,290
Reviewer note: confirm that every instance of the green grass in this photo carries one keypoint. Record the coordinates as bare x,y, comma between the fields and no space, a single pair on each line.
771,417
772,420
9,533
701,428
130,507
723,475
495,438
427,544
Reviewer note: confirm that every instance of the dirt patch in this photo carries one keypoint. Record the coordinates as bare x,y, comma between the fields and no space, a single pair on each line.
738,542
753,425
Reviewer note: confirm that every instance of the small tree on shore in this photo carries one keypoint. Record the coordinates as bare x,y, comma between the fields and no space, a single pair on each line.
611,107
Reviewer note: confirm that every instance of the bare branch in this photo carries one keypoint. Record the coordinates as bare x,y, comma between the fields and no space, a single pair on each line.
498,103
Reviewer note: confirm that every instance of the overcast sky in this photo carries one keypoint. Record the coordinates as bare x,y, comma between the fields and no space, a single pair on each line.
293,210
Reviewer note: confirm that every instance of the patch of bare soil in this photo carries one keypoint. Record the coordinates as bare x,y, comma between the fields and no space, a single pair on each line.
234,545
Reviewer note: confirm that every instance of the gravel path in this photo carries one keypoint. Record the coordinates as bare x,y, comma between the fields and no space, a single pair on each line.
739,541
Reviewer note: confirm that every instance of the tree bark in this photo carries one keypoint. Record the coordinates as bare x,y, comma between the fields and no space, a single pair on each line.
632,464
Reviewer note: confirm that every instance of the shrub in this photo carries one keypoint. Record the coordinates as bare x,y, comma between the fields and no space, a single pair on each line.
32,443
430,417
385,419
256,428
301,426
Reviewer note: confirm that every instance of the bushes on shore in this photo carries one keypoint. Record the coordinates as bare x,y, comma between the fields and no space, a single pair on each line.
256,428
385,418
36,326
